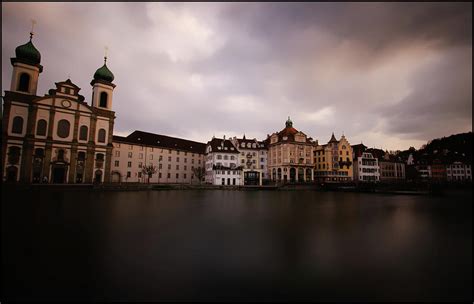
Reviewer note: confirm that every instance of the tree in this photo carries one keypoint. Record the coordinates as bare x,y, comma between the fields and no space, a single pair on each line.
199,172
149,171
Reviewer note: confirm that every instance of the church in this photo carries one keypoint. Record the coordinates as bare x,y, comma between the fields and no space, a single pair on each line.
58,137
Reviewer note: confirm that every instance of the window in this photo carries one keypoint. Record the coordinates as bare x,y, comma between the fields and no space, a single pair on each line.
101,136
177,167
185,160
61,155
169,158
103,100
169,175
63,128
24,83
129,174
117,153
129,154
184,175
81,156
17,125
41,127
83,130
159,175
100,157
139,175
140,164
160,166
129,164
177,158
116,163
151,156
130,147
177,175
169,167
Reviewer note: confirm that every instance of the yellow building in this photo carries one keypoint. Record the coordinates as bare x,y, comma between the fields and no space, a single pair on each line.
333,161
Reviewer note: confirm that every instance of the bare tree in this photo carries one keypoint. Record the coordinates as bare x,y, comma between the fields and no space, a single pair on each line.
199,173
149,171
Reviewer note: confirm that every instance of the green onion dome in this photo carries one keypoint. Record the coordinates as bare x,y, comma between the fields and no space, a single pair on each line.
103,73
28,52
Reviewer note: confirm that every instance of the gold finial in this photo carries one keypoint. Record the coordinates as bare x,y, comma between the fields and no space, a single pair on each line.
106,49
33,22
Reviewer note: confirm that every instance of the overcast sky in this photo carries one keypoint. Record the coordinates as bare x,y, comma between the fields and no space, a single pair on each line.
390,75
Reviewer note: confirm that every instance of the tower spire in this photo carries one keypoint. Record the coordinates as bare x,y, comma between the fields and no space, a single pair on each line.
106,49
33,22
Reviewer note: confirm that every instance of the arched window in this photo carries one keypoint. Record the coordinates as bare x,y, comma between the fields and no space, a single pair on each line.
24,83
17,125
101,137
83,130
63,128
103,100
41,127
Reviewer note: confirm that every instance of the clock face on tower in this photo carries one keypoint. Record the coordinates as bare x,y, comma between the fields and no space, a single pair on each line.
66,103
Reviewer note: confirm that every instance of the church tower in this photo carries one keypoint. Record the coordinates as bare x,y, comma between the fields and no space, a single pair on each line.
102,87
26,68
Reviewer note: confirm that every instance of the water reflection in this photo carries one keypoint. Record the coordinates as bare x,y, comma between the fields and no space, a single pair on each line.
221,245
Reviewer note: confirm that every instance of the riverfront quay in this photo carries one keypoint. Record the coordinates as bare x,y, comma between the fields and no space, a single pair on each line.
235,245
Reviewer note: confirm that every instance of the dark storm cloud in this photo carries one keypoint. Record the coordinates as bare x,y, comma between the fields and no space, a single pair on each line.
387,74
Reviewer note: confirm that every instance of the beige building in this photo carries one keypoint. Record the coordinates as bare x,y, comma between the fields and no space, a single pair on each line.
290,155
252,159
174,158
333,161
57,138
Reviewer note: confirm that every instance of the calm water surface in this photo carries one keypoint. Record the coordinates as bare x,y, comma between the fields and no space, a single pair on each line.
235,245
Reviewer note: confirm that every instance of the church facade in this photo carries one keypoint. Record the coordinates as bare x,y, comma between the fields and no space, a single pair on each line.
58,137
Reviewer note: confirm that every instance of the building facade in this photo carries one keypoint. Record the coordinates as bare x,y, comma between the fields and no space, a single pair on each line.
366,168
222,163
175,159
458,172
391,171
333,161
252,159
290,155
59,137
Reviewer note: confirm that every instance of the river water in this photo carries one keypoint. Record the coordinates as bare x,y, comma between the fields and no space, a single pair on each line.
215,245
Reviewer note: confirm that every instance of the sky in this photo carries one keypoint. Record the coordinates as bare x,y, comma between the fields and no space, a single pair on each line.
389,75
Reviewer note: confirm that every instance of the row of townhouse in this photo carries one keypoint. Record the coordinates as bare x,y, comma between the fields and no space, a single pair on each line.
61,138
436,170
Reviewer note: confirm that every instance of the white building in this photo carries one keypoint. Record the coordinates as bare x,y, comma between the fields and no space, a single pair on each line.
366,168
222,163
252,159
174,158
458,171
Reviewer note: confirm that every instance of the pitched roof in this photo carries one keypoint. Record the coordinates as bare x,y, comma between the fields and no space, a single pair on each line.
258,144
162,141
222,145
